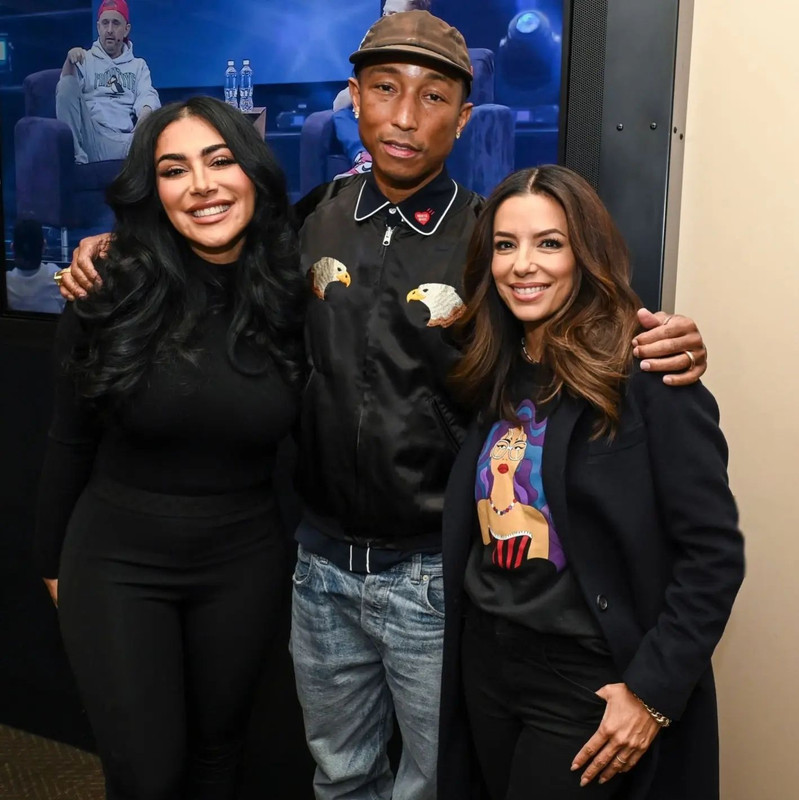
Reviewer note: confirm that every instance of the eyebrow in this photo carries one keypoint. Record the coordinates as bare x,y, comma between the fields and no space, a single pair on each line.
538,235
206,151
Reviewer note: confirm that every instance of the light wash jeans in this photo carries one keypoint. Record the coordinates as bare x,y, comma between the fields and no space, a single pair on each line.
365,646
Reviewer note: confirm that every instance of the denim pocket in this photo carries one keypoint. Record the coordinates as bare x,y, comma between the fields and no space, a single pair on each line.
303,567
433,594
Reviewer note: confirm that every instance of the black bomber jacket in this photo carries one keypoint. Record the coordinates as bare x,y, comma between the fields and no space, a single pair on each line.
378,429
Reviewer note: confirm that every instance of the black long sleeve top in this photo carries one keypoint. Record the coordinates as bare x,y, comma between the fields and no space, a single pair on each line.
189,429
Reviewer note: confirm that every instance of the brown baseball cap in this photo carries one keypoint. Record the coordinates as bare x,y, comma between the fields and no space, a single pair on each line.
416,33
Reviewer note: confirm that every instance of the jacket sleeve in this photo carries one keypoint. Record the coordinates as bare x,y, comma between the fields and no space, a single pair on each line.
69,454
688,456
146,95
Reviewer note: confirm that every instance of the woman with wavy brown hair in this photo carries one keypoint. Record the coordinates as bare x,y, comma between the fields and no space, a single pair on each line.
591,545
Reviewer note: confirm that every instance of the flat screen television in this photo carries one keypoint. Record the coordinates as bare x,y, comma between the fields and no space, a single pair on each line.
599,85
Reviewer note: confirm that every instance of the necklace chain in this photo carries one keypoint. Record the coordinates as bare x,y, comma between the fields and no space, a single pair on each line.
526,355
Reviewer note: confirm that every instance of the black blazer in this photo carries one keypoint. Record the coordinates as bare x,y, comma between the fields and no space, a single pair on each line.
650,528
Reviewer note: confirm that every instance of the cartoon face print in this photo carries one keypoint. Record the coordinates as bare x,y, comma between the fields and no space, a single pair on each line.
508,452
515,520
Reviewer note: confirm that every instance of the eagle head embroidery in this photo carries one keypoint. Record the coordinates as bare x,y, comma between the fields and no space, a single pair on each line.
324,272
442,300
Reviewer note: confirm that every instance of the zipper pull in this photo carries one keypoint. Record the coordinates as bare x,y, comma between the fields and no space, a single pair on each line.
387,237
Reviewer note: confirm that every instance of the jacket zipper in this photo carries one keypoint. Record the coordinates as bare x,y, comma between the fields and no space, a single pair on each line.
386,242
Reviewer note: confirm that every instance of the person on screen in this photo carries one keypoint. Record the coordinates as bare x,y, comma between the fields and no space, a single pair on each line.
344,121
29,286
159,533
383,253
105,92
591,545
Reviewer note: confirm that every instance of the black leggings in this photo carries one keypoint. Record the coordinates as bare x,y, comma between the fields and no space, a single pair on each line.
167,607
532,706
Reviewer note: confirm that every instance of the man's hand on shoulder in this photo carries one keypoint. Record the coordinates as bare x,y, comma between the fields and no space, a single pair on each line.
81,276
672,344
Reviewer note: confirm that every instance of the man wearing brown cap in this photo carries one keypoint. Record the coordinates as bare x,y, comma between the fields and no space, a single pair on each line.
384,253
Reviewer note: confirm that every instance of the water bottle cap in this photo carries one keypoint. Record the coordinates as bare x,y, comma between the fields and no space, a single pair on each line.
230,62
246,61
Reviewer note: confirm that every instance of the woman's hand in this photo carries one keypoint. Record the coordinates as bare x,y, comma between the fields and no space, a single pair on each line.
81,276
624,735
666,344
52,587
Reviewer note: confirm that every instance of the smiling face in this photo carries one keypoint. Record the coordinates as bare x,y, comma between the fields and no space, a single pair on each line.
112,31
533,265
204,192
409,115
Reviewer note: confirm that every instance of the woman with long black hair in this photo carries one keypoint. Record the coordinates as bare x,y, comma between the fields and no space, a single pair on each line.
158,532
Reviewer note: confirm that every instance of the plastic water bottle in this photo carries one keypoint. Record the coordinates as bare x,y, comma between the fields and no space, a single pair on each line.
231,85
245,86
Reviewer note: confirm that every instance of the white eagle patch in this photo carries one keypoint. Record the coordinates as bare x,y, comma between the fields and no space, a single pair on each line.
324,272
442,301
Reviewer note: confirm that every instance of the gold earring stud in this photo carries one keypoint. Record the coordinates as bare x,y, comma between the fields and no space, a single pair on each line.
457,134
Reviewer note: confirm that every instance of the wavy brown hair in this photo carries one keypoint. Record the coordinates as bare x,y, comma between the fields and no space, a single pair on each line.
586,343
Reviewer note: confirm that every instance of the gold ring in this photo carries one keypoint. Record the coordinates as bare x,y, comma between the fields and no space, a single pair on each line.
59,276
620,760
691,359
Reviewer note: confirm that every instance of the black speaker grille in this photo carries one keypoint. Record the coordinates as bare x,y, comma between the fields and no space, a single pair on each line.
586,87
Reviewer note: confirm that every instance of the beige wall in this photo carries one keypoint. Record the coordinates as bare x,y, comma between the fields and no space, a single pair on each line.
738,276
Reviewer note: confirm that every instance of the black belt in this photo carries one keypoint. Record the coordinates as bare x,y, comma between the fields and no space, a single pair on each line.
366,559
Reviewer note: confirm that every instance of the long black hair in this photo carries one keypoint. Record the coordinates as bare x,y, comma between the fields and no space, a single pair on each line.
151,302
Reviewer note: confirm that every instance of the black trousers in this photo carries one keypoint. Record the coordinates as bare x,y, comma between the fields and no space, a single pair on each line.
167,608
531,705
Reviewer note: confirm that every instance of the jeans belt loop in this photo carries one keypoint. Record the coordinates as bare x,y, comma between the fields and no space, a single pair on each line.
368,548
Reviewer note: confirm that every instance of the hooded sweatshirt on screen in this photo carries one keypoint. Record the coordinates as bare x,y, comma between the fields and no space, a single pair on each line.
116,89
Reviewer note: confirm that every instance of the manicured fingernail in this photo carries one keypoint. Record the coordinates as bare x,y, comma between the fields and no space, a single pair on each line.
668,380
82,295
645,366
602,780
583,781
635,342
636,351
574,767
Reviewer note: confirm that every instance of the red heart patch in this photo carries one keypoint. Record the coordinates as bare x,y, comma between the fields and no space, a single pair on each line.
422,217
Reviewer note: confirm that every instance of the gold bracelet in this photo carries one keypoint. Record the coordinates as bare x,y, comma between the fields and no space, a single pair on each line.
661,719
